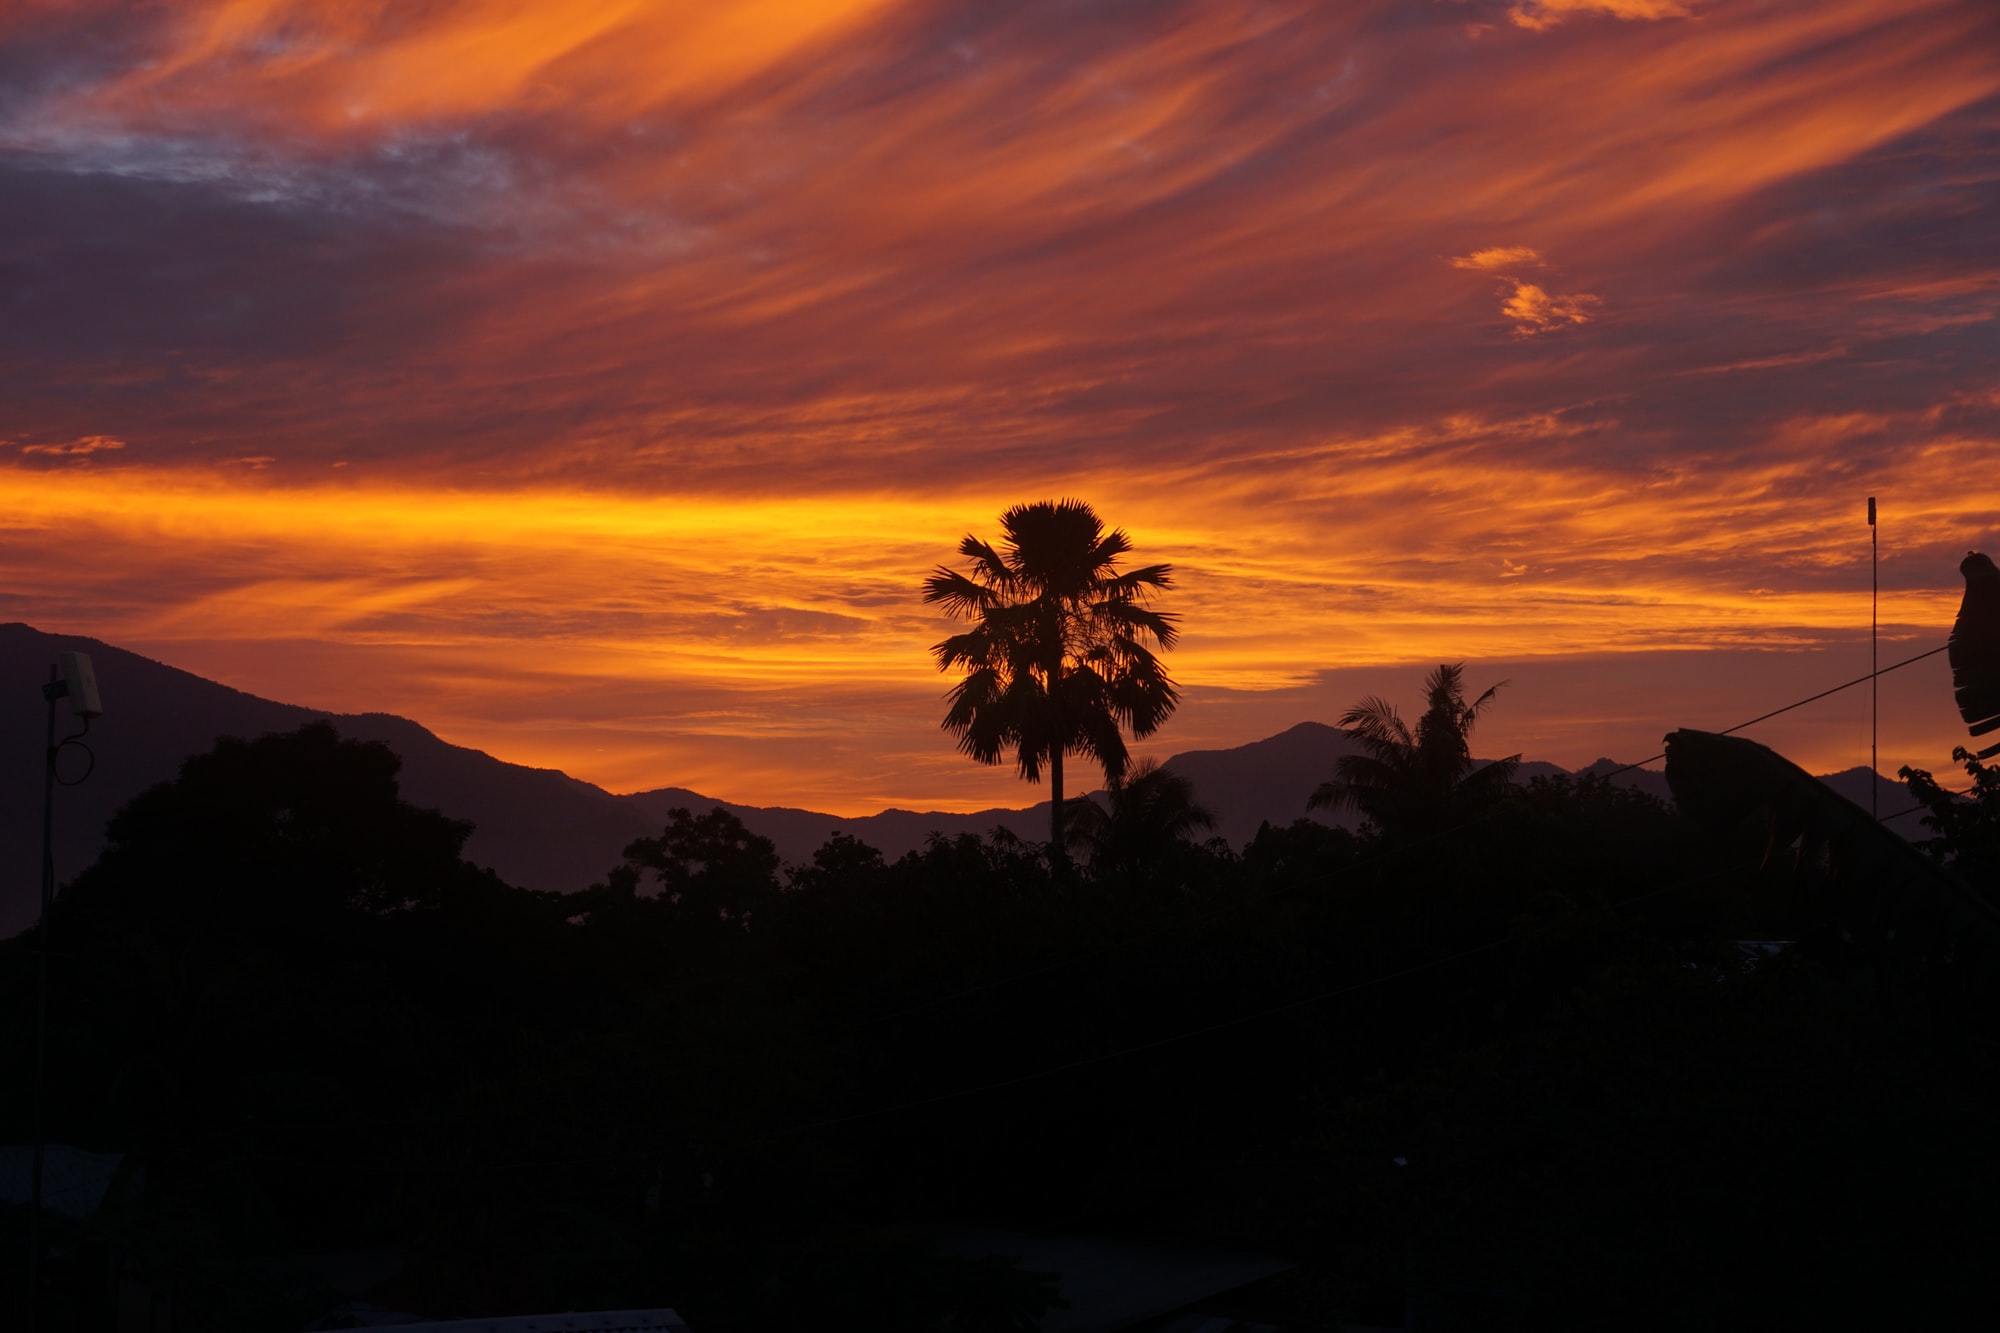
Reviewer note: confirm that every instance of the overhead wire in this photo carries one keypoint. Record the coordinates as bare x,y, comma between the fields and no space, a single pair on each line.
1809,699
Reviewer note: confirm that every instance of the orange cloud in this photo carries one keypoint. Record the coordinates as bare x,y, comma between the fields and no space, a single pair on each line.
1499,259
1532,308
1535,311
1539,15
81,447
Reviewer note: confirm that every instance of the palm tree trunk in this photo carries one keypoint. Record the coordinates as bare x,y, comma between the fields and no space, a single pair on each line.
1058,854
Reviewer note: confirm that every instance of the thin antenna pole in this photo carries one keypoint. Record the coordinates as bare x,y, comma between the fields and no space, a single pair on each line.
1874,668
49,692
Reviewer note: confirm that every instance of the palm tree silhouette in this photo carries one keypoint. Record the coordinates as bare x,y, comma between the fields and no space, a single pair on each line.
1418,781
1056,661
1151,808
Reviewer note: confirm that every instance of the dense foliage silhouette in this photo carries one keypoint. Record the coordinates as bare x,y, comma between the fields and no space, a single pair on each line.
1057,661
1965,825
1415,780
1511,1073
1143,826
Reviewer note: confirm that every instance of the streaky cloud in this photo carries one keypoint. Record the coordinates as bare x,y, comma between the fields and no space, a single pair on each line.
545,356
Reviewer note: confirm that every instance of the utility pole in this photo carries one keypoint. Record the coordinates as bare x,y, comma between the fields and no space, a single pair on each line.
76,681
1874,664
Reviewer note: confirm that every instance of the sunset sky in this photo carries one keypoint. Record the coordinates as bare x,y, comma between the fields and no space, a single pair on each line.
596,383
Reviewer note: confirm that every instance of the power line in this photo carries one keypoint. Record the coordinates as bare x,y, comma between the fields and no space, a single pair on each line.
1810,699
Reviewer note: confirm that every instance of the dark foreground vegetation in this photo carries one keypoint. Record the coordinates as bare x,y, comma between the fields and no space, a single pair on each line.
1513,1072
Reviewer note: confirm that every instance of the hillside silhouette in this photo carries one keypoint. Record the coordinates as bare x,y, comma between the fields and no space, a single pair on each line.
540,828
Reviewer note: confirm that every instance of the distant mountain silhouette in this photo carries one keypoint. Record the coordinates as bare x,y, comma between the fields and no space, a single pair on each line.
537,827
1273,778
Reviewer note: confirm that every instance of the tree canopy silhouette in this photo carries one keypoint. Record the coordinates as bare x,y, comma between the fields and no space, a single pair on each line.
711,869
315,1029
1057,661
1409,781
1151,809
298,825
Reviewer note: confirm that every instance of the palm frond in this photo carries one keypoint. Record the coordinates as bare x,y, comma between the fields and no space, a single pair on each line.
1484,785
987,562
1376,724
1140,583
1332,794
959,595
1128,618
1406,778
1469,718
1057,660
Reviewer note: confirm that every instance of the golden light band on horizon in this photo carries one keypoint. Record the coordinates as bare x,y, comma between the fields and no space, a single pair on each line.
754,600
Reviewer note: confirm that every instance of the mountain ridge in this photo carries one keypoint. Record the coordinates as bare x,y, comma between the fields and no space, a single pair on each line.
535,827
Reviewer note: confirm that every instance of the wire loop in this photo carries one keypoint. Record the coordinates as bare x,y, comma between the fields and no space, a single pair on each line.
89,756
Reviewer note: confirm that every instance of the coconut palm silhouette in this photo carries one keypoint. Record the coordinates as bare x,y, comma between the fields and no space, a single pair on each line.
1416,781
1057,660
1151,808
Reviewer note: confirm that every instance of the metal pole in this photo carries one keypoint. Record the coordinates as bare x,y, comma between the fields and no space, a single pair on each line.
1874,666
51,691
